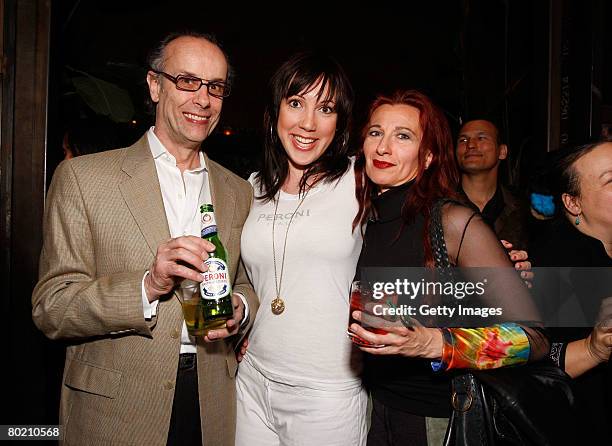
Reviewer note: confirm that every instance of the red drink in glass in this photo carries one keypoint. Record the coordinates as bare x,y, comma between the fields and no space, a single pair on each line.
361,299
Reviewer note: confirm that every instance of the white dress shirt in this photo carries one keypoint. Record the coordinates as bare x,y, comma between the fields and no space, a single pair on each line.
182,195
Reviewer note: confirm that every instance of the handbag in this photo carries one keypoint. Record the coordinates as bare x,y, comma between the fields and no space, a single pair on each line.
529,404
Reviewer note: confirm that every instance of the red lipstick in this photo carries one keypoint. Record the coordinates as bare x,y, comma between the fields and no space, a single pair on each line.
382,164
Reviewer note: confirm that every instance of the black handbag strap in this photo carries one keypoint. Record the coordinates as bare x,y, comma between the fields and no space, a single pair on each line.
436,235
467,399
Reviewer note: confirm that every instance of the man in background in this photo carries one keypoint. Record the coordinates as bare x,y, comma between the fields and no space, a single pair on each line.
479,153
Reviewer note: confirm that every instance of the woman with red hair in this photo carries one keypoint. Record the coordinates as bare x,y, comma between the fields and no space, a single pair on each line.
407,179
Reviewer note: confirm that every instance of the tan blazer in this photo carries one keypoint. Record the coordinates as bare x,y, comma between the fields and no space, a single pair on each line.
104,219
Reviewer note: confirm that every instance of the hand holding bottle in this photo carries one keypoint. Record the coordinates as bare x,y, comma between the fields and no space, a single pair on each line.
222,310
232,325
177,259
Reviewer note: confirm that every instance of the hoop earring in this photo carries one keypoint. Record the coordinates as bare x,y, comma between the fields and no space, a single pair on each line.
344,140
272,136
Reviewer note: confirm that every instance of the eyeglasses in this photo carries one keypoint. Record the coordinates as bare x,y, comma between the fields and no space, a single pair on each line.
183,82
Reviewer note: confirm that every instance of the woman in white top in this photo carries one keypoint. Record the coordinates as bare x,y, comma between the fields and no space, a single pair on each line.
299,382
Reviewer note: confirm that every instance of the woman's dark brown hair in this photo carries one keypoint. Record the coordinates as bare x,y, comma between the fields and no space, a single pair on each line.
300,73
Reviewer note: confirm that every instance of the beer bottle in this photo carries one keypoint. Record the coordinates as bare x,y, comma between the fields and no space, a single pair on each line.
215,288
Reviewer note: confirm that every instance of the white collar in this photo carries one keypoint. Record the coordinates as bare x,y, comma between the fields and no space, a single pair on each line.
160,152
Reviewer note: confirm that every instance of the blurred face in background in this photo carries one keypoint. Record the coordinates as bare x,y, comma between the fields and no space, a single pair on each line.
477,147
307,125
391,145
66,147
594,203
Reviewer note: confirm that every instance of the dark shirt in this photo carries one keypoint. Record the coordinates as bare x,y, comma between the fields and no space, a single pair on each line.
492,209
506,214
407,384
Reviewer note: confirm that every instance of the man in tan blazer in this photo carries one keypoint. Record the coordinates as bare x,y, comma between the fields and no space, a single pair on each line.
120,234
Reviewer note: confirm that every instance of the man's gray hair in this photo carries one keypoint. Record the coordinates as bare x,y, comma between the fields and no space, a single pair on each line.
156,59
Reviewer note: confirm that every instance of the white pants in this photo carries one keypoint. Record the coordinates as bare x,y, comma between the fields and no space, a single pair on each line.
275,414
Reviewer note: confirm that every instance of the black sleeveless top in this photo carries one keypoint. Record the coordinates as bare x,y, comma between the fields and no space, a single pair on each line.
407,384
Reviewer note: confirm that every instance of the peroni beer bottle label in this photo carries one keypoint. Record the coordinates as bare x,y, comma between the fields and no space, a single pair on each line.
216,281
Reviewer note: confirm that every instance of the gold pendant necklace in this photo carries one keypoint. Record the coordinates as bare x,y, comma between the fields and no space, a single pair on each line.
278,305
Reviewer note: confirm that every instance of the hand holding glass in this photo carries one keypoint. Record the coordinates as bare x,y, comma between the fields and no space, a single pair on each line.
193,310
362,299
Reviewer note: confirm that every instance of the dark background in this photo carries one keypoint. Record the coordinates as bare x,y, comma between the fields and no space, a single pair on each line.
541,69
382,48
474,58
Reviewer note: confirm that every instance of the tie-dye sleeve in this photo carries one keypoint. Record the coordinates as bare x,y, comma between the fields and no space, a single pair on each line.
484,348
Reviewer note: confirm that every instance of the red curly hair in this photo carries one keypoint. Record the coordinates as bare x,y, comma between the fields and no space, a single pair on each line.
437,181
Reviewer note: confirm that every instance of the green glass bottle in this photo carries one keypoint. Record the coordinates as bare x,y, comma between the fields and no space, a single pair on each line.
216,288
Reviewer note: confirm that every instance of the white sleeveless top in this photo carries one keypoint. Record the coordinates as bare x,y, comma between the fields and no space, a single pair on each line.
307,344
